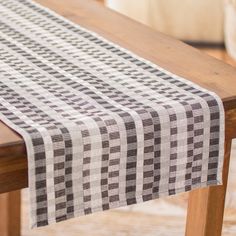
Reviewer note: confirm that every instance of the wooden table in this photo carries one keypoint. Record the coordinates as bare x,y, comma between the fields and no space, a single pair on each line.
206,205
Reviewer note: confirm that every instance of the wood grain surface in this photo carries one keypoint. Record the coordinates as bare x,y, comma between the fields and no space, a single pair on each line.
171,54
206,206
167,52
10,214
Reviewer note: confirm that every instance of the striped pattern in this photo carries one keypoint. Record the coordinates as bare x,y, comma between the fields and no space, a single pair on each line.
103,127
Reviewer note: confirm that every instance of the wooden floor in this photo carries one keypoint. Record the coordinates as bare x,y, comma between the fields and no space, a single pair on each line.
163,217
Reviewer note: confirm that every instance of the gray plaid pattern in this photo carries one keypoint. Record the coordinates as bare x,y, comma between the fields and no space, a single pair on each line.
103,127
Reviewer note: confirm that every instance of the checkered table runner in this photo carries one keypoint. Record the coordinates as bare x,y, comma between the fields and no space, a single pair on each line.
103,127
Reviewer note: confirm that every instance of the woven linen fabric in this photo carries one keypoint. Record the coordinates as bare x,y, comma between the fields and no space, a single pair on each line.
103,127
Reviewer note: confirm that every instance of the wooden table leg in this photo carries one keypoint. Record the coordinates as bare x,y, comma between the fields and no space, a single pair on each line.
10,213
206,205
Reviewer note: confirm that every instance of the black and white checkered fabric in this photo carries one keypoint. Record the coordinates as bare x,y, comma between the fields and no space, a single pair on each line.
103,127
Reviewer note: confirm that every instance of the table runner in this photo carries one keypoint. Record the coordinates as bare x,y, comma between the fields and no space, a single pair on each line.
103,127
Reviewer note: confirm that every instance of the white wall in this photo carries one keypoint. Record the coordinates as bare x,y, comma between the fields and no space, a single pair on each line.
196,20
230,27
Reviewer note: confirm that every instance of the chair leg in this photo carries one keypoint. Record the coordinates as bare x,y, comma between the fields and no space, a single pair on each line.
10,210
206,205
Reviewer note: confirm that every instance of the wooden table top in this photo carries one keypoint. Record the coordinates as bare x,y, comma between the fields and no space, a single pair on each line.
165,51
